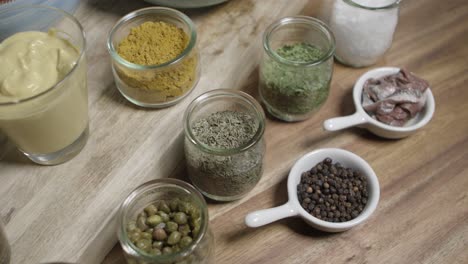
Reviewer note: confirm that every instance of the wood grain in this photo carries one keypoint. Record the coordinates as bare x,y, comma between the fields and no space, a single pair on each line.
66,213
422,216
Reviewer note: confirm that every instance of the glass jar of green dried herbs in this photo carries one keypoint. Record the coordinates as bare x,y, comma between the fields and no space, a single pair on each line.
224,145
165,221
296,68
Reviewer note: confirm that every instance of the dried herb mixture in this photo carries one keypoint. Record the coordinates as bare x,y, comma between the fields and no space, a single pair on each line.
227,175
295,89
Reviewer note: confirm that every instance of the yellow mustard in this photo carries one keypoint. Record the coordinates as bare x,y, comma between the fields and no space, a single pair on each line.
33,62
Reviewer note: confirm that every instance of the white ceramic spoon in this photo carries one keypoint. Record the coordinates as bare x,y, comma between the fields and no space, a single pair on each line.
293,207
362,119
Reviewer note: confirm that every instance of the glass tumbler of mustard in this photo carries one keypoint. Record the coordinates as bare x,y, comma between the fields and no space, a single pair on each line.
154,56
43,83
165,221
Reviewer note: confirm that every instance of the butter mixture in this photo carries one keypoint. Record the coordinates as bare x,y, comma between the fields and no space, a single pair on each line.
33,62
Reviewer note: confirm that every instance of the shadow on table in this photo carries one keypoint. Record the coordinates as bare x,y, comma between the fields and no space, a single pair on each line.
10,154
112,93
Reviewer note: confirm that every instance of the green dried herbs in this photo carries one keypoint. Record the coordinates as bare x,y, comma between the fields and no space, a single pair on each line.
300,52
298,86
225,176
225,130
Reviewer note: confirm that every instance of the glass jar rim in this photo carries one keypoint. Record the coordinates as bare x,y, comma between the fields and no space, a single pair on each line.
152,10
73,69
220,94
141,190
310,21
394,4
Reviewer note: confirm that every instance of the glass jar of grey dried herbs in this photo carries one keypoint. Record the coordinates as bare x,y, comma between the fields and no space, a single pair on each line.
165,221
224,145
296,68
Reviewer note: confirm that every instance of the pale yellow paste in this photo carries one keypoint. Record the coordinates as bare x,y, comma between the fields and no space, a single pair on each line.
33,62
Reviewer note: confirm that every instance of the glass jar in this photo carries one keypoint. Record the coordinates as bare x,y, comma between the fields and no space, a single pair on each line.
50,127
202,248
5,250
155,86
224,173
363,31
291,89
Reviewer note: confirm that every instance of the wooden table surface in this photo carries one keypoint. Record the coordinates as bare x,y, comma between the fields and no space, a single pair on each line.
66,212
422,216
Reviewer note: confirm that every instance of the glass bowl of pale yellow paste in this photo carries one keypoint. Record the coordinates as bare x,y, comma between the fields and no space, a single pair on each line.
43,87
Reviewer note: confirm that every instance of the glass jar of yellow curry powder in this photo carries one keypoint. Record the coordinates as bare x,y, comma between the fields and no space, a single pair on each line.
155,61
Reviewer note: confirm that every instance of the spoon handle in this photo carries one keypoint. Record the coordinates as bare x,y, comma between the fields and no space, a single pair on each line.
338,123
266,216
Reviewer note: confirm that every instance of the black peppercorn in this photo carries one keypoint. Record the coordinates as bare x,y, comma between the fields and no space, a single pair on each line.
333,193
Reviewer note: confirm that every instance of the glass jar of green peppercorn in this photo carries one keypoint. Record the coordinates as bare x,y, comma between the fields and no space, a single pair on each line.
296,68
165,221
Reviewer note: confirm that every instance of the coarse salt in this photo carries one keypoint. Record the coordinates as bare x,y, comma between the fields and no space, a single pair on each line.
362,35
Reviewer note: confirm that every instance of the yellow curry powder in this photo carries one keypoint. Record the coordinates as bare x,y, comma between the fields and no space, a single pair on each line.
155,43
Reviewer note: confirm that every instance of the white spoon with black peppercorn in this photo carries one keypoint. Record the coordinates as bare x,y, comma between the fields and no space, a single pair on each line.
332,189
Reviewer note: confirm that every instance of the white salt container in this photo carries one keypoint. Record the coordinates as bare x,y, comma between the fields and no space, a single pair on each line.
363,29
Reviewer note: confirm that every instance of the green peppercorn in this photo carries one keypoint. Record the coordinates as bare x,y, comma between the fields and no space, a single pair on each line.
151,210
159,234
131,226
165,227
158,244
146,235
180,218
191,209
174,238
154,220
173,204
183,207
155,251
144,244
176,248
142,214
171,226
184,229
185,241
141,223
195,213
134,236
195,230
195,222
167,250
165,217
164,207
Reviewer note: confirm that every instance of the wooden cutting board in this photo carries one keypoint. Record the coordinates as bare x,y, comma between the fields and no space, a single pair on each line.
67,212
